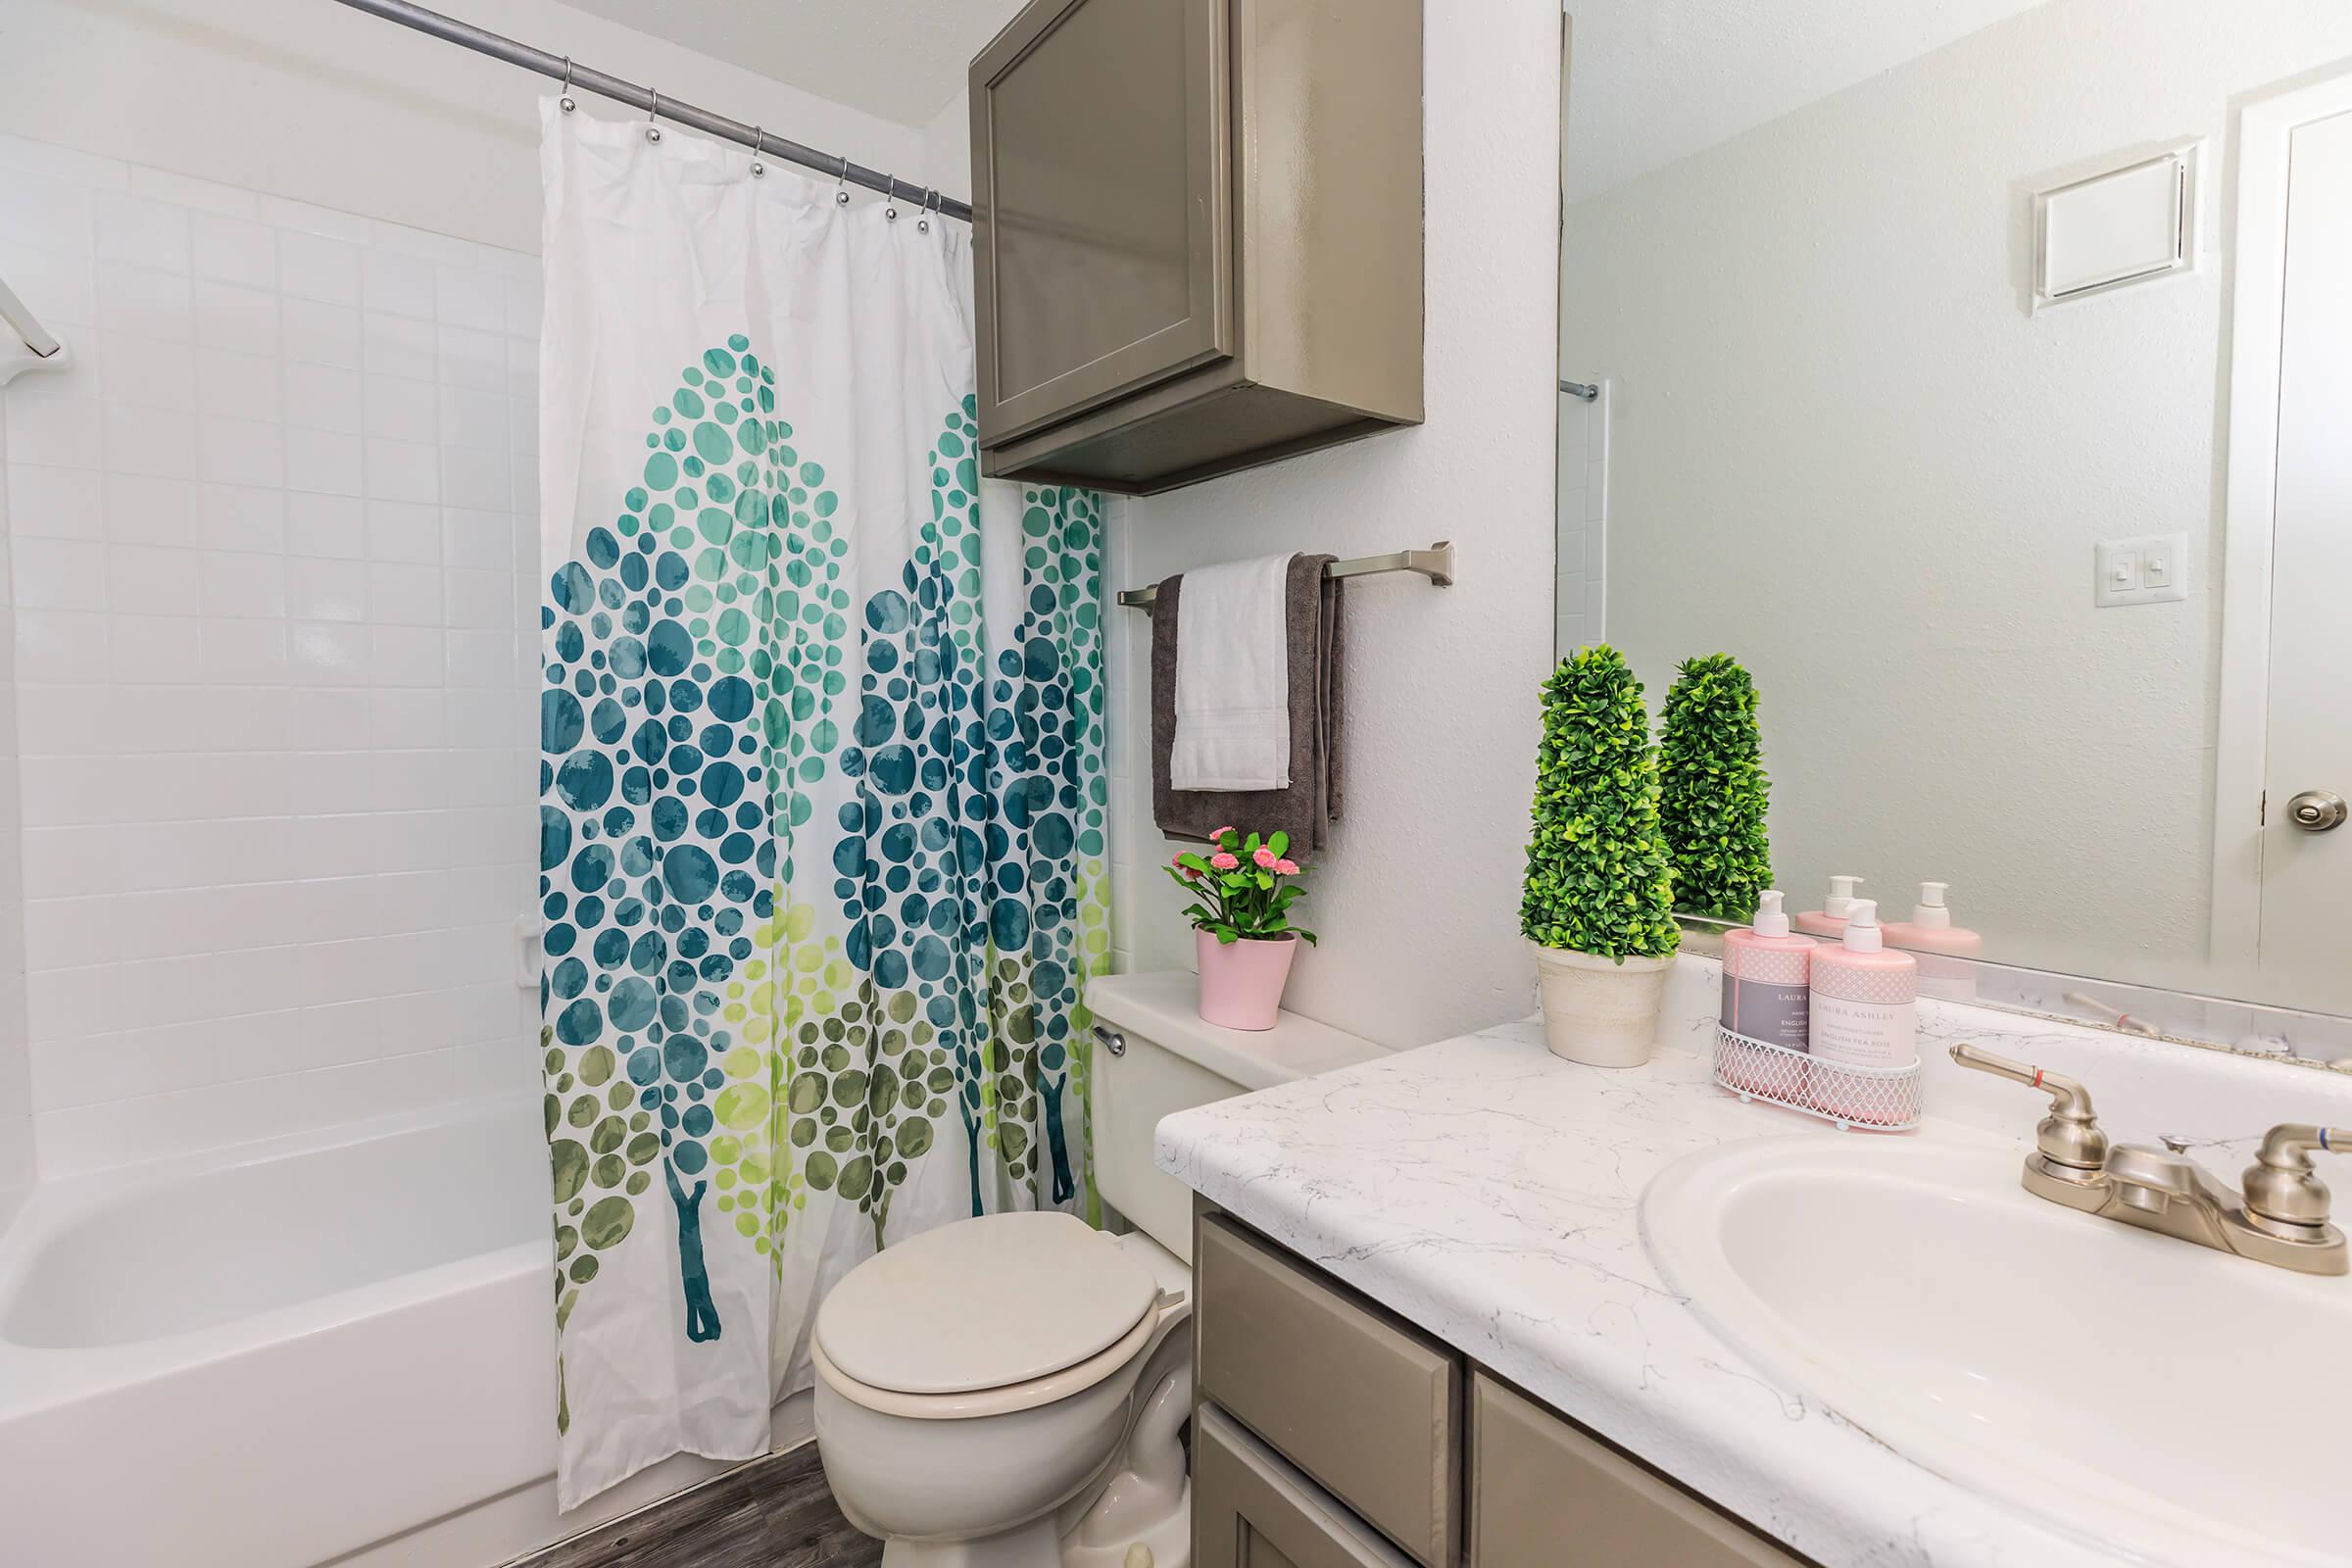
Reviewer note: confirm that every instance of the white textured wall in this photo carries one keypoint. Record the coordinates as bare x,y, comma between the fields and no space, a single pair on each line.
1842,451
311,100
1417,899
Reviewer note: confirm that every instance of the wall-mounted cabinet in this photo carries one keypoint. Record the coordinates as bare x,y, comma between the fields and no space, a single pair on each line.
1196,234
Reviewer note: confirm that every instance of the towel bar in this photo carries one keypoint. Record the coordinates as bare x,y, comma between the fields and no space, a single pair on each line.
1436,563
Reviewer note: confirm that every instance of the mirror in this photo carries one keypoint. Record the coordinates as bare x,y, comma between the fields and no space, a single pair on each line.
1957,370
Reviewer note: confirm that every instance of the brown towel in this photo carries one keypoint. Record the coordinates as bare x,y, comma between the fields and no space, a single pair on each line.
1307,809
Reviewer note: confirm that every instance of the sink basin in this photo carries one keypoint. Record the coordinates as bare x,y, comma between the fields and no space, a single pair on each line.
2140,1394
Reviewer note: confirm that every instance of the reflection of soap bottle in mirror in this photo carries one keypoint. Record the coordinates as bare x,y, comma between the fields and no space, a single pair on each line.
1865,1013
1767,976
1930,930
1829,920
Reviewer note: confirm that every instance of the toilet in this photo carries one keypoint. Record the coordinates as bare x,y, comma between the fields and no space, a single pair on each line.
1009,1392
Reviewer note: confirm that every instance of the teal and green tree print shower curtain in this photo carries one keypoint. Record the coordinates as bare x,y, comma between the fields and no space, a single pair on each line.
823,802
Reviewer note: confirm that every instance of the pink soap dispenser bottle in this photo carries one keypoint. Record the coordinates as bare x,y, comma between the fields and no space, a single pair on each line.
1930,932
1767,997
1829,920
1865,1013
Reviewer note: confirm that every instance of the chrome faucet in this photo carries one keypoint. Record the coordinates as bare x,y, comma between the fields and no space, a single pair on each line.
2280,1218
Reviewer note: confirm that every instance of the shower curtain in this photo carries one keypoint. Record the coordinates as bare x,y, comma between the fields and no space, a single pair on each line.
822,802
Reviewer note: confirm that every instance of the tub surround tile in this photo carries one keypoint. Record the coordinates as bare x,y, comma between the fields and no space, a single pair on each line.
1491,1192
272,695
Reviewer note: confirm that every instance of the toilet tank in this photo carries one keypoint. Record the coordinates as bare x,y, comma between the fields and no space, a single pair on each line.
1169,1059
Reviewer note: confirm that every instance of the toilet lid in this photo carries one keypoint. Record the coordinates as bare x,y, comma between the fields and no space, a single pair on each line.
983,1304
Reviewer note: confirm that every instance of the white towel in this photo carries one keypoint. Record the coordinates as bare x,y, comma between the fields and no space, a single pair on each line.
1233,678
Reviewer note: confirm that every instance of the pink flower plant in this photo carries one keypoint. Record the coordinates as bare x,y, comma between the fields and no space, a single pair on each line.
1237,901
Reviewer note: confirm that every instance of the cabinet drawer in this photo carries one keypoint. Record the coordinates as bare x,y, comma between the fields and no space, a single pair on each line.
1362,1404
1544,1494
1250,1510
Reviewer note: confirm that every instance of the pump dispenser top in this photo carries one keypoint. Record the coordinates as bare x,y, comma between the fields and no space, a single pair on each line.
1862,933
1829,920
1771,919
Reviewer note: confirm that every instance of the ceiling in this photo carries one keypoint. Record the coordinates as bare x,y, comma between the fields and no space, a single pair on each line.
1653,81
903,60
1656,80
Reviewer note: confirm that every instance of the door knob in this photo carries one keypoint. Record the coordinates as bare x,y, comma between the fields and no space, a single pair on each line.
2318,811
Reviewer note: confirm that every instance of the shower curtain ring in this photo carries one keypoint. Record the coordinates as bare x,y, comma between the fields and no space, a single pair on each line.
758,169
890,200
652,132
565,101
841,183
922,225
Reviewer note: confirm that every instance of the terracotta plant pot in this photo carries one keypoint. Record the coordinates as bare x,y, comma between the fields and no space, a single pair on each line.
1599,1011
1242,981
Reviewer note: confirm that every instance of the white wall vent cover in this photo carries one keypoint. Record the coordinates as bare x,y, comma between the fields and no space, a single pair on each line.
2121,226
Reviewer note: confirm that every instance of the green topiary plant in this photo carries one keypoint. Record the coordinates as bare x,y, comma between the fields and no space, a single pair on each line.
1712,789
1599,880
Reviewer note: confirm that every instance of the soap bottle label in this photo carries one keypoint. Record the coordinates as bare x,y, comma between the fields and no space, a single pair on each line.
1864,1034
1776,1012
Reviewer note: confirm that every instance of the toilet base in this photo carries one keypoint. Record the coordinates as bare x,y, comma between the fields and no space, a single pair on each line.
1040,1544
1032,1546
1169,1540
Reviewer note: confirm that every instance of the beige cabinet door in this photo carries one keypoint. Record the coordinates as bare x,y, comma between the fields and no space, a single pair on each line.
1546,1494
1363,1405
1251,1510
1102,253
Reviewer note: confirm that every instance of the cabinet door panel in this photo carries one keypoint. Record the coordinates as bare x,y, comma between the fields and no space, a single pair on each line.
1103,254
1362,1404
1544,1495
1251,1510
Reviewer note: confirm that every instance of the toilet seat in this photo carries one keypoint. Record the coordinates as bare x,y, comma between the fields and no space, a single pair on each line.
987,1316
966,1406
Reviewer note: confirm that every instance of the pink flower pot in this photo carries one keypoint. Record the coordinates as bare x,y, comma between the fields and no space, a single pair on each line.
1242,981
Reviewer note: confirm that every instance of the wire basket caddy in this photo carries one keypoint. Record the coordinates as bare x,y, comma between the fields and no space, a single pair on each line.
1877,1100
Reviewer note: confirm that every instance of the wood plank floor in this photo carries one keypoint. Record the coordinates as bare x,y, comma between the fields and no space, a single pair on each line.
776,1512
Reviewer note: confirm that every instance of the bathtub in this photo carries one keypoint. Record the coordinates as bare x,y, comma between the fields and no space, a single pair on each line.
281,1354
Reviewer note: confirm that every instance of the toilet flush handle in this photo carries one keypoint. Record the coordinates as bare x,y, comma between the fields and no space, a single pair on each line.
1110,1040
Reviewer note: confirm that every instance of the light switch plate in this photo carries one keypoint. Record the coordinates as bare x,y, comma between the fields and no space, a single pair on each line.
2150,569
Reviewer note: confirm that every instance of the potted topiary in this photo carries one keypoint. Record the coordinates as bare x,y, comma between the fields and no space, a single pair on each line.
1598,908
1242,889
1712,790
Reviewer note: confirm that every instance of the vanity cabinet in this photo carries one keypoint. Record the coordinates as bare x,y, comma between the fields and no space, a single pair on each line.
1253,1510
1330,1434
1196,234
1543,1490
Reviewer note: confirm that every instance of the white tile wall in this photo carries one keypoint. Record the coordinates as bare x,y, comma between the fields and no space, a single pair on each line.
1584,501
16,1090
273,550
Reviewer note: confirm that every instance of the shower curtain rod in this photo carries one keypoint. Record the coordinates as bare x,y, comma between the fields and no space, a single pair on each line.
561,68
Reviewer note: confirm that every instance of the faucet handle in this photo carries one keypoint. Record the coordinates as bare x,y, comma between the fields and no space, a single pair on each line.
2282,1188
2069,1137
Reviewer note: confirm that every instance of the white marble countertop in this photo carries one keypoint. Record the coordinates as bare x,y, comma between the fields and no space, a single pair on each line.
1489,1193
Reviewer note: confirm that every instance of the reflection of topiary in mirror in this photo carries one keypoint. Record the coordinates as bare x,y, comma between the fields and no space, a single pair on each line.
1712,789
1597,876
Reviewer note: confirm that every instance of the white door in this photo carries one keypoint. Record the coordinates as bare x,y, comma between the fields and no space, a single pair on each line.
2306,930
